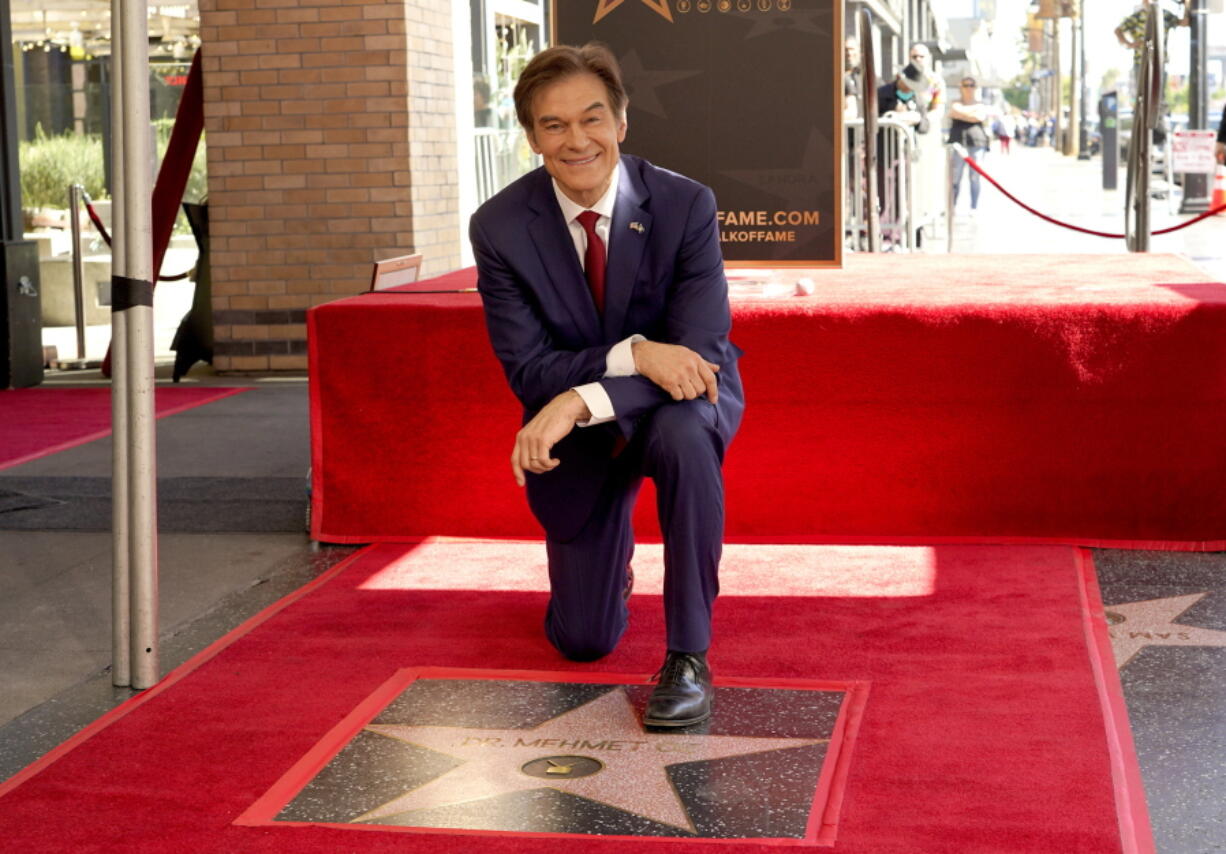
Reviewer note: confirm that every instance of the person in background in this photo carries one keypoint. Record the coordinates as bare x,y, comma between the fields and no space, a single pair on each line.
1131,31
968,116
851,79
1003,128
935,96
902,99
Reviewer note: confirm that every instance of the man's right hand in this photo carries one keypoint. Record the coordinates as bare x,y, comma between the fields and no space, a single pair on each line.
678,370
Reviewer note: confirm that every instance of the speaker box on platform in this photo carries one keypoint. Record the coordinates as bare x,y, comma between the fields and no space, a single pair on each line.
21,345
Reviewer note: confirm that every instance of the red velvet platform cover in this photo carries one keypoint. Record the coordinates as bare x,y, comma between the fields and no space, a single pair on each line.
992,398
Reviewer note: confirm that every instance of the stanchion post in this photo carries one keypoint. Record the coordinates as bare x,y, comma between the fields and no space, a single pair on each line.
950,166
76,195
136,301
1144,122
78,265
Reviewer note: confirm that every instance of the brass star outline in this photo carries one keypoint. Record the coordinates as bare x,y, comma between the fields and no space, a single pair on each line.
660,7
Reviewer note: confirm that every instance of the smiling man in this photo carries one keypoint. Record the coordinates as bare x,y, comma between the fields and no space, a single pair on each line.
606,302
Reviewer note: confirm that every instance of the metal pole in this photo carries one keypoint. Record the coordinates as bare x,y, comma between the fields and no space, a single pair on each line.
78,265
76,194
137,303
11,227
949,198
121,533
1057,98
1144,121
1083,132
1071,136
1196,184
868,87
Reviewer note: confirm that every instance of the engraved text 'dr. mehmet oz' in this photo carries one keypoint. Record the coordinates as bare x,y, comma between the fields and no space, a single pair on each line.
598,751
659,6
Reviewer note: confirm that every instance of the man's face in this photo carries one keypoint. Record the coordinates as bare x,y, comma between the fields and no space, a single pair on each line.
920,56
576,132
851,54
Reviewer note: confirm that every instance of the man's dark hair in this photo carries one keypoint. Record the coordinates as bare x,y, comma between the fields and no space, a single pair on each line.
562,61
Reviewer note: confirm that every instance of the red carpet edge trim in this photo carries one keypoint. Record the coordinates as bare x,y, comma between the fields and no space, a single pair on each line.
81,440
833,782
820,830
178,674
794,539
1136,835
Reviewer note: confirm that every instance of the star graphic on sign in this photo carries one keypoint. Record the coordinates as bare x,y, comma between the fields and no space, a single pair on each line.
597,751
1135,625
641,84
658,6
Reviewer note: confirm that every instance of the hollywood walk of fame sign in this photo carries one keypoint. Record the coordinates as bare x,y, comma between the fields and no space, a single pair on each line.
505,753
742,95
1133,626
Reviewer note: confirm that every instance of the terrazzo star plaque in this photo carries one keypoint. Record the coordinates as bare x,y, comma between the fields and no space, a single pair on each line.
534,753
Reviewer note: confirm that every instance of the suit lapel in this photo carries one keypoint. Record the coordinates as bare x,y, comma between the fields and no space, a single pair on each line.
628,236
557,253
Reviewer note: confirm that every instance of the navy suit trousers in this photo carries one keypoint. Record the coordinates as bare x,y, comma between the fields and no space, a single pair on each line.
679,447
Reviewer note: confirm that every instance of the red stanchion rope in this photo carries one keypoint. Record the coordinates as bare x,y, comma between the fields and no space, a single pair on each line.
106,236
971,162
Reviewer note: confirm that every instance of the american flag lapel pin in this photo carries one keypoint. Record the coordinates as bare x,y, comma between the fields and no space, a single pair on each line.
637,226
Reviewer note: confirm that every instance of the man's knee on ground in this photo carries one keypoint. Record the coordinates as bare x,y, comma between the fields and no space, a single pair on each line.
584,649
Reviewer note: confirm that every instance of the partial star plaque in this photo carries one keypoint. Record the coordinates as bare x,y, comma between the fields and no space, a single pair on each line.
438,750
1132,626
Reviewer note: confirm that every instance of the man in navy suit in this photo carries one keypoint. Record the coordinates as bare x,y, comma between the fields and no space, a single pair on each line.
606,302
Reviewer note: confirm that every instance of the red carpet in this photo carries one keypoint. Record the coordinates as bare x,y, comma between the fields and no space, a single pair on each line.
984,728
983,398
39,421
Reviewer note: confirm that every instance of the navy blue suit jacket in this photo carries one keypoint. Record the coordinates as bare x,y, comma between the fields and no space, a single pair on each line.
664,280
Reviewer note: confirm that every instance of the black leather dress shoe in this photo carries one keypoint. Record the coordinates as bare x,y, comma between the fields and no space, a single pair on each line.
629,588
684,693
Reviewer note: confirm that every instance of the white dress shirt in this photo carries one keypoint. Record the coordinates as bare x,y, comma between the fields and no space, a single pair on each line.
620,360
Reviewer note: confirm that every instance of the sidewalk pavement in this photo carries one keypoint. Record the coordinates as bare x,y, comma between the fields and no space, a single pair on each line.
1071,190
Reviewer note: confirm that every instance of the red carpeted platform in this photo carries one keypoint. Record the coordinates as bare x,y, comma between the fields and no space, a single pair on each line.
39,421
990,725
984,398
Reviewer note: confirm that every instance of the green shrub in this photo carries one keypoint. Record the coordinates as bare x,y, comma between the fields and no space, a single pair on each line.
49,164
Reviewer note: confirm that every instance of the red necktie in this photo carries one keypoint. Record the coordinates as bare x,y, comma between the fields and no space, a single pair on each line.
593,258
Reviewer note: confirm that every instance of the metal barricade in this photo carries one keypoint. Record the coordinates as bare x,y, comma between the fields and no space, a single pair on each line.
897,160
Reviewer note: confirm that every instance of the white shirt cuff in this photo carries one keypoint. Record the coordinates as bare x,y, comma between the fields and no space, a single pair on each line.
620,360
598,403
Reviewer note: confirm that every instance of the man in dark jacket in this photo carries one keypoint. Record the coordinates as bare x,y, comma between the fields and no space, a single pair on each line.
903,98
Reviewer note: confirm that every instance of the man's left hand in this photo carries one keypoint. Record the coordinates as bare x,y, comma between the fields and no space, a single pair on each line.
535,440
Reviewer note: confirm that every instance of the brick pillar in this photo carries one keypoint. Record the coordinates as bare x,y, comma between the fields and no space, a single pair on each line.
330,133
